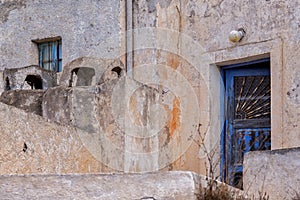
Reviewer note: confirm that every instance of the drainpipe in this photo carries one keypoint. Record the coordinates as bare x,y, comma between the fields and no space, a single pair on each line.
129,37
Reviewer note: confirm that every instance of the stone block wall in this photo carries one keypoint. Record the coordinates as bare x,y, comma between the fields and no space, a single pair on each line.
30,77
28,100
275,173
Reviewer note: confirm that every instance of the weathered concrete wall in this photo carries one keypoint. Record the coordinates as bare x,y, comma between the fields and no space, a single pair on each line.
180,92
184,73
63,96
290,93
83,26
33,145
28,100
104,69
276,173
19,78
149,186
132,134
270,32
54,100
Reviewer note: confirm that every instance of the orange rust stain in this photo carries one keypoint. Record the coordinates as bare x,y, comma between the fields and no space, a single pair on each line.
173,61
174,122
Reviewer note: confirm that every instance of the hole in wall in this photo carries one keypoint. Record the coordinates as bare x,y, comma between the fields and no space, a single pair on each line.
7,84
34,81
117,70
25,147
82,76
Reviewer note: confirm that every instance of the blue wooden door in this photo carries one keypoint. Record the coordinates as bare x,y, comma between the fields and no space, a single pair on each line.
248,114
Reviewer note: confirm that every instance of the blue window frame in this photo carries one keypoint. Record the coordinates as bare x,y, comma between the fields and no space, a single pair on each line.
50,55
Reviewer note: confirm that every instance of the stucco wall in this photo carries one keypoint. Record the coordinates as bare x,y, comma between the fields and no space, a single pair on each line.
271,31
188,49
33,145
82,25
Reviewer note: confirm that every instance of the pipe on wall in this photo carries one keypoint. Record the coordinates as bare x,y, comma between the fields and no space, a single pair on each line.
129,38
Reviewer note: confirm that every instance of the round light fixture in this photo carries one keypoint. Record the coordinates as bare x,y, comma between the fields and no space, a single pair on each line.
236,35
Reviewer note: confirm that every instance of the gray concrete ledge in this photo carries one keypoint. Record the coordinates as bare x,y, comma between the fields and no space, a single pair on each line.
160,185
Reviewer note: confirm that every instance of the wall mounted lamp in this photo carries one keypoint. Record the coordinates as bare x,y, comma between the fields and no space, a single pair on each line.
236,35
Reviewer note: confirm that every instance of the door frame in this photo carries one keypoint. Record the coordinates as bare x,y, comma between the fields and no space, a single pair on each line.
223,141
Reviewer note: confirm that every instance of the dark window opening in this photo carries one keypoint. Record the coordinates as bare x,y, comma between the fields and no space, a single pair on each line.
82,76
50,54
34,81
7,84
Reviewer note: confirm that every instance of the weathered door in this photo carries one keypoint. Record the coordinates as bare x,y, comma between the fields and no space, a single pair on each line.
248,113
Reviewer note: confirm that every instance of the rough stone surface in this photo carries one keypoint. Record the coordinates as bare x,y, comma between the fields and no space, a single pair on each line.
87,29
276,173
30,77
32,145
7,6
151,186
123,114
103,69
270,32
84,27
53,101
161,186
28,100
